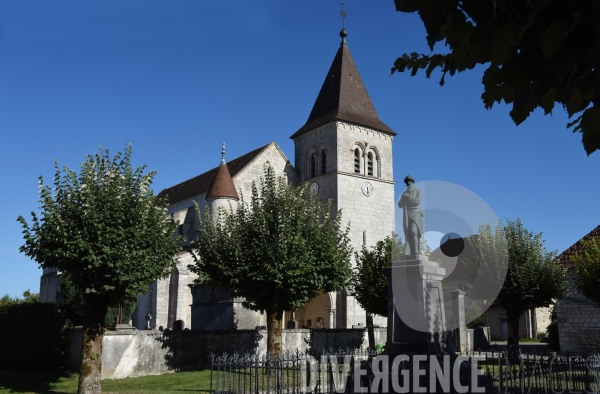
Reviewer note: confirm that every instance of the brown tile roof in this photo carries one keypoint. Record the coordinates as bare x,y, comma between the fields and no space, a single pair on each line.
222,185
565,257
203,182
344,97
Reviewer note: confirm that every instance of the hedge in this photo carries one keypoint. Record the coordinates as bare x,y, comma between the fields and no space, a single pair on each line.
32,335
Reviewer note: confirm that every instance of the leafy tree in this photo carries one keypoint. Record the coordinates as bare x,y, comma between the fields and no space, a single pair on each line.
537,53
474,316
28,298
533,278
108,232
587,265
277,252
369,283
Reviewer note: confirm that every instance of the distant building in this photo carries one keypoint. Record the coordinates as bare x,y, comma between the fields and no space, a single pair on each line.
578,316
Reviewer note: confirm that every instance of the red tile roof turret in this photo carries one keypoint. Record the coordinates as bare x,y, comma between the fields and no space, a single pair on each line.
222,186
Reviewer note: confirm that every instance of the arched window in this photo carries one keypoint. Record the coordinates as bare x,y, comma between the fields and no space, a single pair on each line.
313,165
323,162
356,161
370,164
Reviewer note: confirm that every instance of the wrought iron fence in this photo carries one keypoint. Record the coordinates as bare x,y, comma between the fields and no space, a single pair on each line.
336,371
540,373
288,373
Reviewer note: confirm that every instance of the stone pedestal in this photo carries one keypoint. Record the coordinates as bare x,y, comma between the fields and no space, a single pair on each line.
416,317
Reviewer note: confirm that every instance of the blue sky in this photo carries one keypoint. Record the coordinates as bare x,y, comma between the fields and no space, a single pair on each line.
176,79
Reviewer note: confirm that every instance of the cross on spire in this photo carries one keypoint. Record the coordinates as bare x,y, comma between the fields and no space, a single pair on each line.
223,154
343,14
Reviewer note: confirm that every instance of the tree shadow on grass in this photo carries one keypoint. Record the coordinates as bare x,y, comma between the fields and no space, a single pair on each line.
32,381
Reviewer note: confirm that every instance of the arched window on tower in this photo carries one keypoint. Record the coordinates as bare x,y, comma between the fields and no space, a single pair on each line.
323,162
313,165
356,161
370,164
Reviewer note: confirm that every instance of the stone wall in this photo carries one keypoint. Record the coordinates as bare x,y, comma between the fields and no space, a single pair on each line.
141,353
578,320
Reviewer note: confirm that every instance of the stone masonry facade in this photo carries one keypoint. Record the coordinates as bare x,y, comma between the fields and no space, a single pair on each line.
578,320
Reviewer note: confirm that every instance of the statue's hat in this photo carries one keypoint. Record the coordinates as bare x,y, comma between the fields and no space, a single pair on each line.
409,178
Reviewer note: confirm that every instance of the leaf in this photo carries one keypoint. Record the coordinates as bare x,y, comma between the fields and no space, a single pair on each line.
547,101
590,127
553,37
500,41
573,100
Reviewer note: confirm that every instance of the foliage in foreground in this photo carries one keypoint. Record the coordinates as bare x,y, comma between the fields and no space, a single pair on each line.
537,53
369,283
278,251
587,266
28,297
533,277
33,335
107,231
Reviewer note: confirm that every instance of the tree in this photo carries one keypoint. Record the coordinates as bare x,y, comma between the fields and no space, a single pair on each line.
369,283
533,278
28,298
108,232
537,53
277,252
587,266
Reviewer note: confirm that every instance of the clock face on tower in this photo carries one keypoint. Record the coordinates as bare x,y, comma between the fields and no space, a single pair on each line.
314,187
367,189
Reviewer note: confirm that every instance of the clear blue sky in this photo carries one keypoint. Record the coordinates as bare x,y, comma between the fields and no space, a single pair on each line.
176,79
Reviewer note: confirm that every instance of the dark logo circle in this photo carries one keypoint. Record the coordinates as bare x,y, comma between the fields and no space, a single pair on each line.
452,244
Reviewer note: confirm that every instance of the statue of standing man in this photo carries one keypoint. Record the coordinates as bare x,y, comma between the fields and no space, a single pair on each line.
413,217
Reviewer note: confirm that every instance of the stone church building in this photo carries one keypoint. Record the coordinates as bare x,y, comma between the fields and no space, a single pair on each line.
343,152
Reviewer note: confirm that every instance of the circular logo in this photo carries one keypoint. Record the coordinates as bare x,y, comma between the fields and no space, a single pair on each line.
472,255
314,187
367,189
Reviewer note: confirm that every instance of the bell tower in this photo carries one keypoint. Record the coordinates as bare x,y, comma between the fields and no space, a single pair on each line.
344,152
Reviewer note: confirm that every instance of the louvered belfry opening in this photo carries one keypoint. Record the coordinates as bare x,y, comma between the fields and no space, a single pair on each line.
313,165
370,164
323,162
356,161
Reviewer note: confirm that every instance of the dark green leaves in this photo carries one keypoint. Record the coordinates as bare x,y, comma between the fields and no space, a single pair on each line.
103,226
277,251
540,52
587,266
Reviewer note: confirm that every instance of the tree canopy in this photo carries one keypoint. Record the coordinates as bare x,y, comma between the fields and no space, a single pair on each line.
369,283
107,231
277,252
537,53
587,265
533,277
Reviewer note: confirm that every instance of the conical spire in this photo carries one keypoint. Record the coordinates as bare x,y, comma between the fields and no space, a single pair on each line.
222,186
343,96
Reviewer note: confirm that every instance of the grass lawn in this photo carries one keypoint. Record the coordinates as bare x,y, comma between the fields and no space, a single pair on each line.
23,381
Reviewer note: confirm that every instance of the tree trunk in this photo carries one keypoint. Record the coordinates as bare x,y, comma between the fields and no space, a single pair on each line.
91,355
512,320
274,333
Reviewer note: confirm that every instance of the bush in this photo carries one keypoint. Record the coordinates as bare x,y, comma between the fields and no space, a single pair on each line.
33,336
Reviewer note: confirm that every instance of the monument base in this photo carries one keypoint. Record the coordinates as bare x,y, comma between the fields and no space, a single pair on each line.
416,315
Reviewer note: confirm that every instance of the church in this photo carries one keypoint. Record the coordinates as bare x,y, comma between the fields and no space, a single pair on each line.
343,152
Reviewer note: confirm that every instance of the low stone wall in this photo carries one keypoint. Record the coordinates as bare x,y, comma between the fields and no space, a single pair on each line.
578,320
141,353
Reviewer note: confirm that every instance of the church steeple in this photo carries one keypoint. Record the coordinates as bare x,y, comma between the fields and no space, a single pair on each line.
343,96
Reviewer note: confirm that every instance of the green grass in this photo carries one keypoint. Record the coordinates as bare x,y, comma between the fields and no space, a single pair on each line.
24,381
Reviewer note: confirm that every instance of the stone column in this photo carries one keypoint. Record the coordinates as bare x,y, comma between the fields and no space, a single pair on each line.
416,316
331,317
458,319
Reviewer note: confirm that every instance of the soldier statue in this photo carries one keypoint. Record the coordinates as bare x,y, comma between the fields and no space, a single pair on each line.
413,217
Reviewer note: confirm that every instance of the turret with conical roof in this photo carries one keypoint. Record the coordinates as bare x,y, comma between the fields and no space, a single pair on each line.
222,193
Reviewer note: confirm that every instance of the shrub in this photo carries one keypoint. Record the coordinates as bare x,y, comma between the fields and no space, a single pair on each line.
33,336
552,331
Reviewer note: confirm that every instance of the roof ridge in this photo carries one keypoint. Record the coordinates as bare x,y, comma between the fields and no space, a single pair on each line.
573,250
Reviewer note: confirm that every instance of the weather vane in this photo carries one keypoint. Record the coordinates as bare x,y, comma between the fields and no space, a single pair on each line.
343,14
